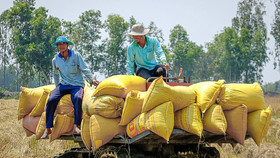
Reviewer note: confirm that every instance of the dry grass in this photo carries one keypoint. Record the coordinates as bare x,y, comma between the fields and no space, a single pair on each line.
270,146
13,140
14,143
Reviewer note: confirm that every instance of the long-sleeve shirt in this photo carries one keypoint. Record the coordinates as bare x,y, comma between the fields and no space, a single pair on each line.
144,57
70,70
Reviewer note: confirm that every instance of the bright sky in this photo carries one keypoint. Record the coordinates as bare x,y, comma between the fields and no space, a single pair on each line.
201,19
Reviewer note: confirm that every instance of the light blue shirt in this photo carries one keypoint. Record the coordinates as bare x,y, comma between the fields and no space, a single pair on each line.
71,70
144,57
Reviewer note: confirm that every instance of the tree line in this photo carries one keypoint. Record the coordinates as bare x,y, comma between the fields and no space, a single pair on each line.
237,54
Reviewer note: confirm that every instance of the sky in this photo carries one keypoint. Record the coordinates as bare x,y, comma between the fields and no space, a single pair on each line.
202,19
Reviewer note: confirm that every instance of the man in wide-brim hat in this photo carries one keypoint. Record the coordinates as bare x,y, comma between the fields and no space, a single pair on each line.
142,52
68,70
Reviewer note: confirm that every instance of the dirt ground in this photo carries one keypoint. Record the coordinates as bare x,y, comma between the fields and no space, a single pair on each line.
13,140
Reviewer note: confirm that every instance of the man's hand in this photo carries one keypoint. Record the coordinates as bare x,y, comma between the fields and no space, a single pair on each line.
95,82
166,65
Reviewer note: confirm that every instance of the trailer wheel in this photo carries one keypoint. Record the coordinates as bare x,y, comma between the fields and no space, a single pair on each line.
198,151
119,152
76,153
109,155
209,152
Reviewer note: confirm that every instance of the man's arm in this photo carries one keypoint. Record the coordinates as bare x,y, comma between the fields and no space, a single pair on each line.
158,50
161,54
85,70
130,61
55,73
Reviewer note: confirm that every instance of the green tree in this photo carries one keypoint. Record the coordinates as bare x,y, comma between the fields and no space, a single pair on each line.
250,25
4,44
33,31
185,53
155,32
132,21
177,35
275,32
223,56
28,2
193,59
215,50
87,35
68,30
45,29
19,18
178,40
115,51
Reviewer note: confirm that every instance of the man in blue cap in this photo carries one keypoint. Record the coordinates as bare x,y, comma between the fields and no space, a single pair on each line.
68,70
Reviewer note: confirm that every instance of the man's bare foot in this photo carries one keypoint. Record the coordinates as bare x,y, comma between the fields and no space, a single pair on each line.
76,129
46,133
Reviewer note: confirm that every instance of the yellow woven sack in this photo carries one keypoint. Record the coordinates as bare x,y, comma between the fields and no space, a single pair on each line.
28,99
29,124
120,85
234,94
65,106
189,119
41,127
182,96
88,100
258,124
207,93
214,120
102,130
50,87
132,106
88,88
85,131
62,124
237,123
41,104
159,120
107,105
159,92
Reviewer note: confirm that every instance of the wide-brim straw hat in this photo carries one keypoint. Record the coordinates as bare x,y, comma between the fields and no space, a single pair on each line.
138,30
61,39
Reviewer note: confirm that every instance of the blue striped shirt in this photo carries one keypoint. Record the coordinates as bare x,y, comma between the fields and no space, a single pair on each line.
71,70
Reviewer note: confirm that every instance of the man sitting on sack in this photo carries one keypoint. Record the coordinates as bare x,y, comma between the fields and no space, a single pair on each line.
68,70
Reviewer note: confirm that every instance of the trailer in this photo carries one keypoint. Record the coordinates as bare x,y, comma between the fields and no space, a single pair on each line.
148,144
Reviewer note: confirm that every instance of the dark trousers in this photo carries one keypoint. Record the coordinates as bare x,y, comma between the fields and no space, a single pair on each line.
77,94
158,71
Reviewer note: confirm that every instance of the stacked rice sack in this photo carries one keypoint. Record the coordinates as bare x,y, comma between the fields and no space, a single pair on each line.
102,109
180,109
155,108
221,109
213,118
122,105
32,106
245,111
234,109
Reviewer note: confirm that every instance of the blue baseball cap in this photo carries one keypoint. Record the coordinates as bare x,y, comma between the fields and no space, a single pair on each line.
61,39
